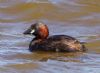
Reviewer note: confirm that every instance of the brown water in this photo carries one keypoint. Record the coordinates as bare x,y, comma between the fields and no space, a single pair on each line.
77,18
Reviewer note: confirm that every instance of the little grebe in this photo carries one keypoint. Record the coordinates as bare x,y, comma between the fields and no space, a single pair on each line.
60,43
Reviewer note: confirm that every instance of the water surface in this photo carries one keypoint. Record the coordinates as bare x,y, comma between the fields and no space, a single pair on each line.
77,18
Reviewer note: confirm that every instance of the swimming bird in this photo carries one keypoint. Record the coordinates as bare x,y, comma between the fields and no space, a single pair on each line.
58,43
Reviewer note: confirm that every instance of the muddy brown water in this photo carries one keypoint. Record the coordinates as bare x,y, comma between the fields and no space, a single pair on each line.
77,18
